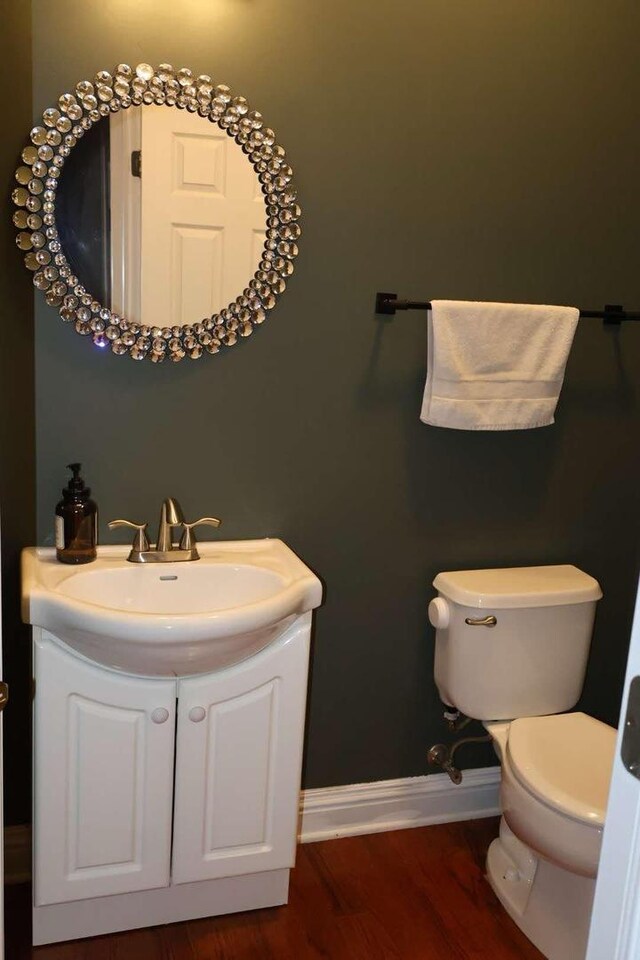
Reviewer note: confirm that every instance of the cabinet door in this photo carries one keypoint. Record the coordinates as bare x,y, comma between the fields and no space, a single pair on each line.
104,747
238,762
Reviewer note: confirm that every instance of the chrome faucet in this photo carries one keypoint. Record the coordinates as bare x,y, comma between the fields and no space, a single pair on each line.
165,551
171,515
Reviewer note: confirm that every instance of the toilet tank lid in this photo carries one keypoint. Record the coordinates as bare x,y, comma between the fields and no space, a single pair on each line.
512,587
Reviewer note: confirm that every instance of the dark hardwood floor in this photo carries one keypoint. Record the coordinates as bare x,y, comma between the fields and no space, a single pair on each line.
409,895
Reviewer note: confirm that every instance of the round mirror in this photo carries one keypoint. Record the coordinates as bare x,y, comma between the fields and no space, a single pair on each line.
157,233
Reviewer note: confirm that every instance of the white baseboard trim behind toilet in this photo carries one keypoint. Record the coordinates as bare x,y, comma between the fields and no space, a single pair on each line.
348,811
360,808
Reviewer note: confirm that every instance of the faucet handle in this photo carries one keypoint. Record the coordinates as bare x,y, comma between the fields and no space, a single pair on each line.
141,540
188,540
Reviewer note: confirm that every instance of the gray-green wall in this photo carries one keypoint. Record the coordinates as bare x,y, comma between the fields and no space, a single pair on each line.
442,149
17,457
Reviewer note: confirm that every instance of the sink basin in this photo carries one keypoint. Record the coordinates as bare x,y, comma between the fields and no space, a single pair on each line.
170,619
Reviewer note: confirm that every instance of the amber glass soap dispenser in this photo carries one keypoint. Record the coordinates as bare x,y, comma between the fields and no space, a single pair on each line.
76,521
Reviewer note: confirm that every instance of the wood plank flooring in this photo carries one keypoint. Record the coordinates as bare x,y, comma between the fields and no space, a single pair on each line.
409,895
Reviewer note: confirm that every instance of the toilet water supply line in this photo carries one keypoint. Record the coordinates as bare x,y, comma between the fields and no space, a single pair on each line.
441,755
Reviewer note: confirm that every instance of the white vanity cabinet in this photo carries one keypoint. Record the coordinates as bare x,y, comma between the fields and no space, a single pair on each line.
104,778
161,799
238,755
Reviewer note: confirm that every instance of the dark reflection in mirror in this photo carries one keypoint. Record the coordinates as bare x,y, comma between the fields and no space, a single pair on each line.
83,211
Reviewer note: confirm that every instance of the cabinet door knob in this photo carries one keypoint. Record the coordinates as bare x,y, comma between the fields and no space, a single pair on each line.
196,714
160,715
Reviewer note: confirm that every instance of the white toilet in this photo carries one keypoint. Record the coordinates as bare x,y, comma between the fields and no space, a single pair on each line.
511,650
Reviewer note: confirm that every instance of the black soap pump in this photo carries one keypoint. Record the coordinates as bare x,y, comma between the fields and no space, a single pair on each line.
76,521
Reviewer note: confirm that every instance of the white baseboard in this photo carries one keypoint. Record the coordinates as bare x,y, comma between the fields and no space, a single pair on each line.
398,804
357,808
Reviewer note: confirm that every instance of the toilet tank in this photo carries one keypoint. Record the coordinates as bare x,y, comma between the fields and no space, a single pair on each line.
530,657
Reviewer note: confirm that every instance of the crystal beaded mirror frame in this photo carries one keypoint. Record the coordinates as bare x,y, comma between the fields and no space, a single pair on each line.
38,178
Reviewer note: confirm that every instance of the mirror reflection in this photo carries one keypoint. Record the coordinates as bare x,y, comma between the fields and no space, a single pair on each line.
161,215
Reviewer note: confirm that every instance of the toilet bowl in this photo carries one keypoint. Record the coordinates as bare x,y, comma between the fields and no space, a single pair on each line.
554,787
511,651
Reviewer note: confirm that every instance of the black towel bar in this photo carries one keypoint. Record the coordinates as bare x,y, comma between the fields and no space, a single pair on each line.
613,313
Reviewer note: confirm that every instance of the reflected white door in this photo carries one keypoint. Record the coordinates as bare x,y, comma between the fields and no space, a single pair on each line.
187,235
615,922
203,217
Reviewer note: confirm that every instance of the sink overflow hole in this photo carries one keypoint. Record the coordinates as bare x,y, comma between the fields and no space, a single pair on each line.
171,577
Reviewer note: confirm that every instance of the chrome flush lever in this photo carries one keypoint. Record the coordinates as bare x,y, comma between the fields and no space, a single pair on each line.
481,621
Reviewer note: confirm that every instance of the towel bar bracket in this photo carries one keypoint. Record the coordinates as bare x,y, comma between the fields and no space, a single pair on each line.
388,303
610,319
384,303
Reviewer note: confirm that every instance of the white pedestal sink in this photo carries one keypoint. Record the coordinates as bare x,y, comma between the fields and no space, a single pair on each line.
168,726
166,619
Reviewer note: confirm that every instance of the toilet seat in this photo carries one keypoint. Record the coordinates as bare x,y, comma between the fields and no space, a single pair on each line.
553,794
565,761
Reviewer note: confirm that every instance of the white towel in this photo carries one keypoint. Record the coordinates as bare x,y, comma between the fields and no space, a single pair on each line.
495,366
